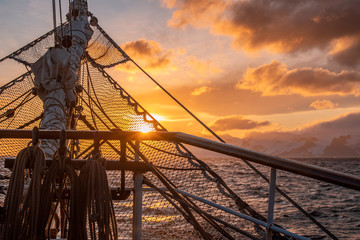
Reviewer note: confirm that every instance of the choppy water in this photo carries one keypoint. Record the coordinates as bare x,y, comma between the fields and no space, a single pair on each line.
337,208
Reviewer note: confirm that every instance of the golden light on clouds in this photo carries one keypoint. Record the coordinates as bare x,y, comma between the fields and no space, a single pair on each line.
156,59
203,67
346,51
322,104
342,44
150,54
237,123
279,26
201,90
198,13
276,79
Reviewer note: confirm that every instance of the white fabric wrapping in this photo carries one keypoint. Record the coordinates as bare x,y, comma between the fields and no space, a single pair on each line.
56,76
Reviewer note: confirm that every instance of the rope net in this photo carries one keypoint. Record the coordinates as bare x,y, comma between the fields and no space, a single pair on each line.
104,105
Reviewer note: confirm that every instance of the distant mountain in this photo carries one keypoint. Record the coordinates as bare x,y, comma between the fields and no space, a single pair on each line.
338,137
340,147
301,146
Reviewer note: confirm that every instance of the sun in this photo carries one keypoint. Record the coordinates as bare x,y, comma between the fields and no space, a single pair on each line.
145,129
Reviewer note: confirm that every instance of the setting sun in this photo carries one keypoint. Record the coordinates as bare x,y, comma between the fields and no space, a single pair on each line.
145,129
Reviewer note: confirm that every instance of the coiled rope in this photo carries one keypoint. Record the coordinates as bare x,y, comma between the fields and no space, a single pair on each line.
22,213
96,199
60,175
89,202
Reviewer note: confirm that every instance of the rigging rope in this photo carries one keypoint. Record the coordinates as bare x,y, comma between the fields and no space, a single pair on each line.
245,161
96,198
93,104
237,199
190,205
22,213
54,22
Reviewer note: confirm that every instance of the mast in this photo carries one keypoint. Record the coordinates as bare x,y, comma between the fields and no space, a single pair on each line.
56,72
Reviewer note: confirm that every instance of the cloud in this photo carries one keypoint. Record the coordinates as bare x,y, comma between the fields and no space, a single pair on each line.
201,90
203,67
322,104
344,124
236,122
278,25
150,53
275,79
153,57
194,12
346,51
336,137
289,26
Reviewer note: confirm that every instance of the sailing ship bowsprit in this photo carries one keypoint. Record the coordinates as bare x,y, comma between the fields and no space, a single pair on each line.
74,165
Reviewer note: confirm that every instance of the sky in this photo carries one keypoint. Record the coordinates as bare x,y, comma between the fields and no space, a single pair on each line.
247,68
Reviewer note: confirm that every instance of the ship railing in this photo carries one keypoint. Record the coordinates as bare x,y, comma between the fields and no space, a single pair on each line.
274,162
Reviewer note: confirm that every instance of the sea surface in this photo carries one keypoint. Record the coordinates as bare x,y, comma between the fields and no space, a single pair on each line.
335,207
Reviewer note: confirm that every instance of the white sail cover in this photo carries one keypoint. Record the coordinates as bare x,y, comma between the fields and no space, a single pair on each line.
56,76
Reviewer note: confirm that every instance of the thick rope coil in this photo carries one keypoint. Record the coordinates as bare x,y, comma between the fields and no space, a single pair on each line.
22,213
97,206
59,176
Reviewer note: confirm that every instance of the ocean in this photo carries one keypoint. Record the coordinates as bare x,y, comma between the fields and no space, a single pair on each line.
335,207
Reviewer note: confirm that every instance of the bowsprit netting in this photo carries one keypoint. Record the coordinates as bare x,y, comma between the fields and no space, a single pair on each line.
102,104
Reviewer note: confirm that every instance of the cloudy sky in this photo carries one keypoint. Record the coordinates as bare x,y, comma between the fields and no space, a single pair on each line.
242,66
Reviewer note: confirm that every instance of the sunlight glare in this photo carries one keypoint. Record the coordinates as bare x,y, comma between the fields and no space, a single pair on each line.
159,118
145,129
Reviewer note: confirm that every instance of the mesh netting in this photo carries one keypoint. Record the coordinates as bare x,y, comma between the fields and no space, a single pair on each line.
104,105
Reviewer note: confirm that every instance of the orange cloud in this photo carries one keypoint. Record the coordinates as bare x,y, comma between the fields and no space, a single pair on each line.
150,53
198,13
346,51
203,67
153,57
201,90
322,104
236,122
275,79
278,25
